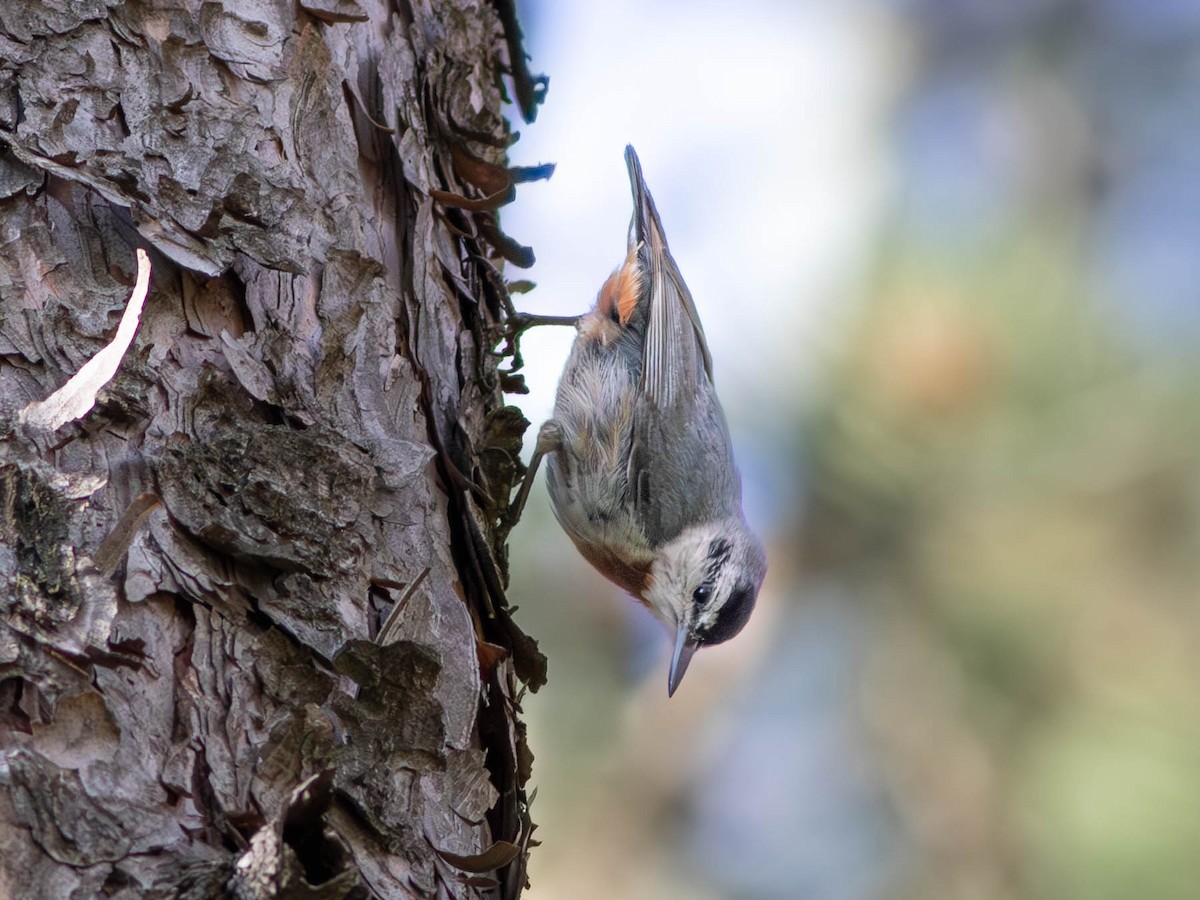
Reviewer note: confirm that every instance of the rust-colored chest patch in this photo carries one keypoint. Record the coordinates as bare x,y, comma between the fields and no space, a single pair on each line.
633,577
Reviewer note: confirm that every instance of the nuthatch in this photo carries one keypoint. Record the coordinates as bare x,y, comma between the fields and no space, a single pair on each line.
639,463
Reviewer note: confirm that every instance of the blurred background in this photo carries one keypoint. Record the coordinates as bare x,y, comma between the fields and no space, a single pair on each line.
947,253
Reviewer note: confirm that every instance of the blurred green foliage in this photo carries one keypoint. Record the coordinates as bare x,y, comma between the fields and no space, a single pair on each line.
1013,489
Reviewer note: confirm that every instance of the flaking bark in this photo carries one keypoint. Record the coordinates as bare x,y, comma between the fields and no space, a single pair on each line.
253,634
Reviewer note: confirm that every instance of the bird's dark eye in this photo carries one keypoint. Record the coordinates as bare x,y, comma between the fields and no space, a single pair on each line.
702,593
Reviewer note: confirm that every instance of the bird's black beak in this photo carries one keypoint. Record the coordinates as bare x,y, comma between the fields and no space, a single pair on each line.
685,647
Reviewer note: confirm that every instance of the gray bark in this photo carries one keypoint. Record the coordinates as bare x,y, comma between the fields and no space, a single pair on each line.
253,635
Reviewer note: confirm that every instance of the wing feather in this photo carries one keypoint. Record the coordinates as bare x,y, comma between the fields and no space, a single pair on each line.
680,462
674,336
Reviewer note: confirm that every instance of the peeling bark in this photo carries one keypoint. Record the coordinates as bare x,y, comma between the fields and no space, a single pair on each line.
253,633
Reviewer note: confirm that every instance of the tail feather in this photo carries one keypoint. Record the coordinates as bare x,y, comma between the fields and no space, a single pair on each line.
675,340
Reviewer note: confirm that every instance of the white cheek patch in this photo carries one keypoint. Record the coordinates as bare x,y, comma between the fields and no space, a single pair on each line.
703,555
707,616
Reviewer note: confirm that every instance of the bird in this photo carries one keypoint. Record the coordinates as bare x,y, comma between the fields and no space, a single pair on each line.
639,462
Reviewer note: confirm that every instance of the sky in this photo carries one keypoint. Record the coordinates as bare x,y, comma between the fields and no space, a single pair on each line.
753,123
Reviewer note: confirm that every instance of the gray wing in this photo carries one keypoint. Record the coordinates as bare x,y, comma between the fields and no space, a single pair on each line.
681,469
670,350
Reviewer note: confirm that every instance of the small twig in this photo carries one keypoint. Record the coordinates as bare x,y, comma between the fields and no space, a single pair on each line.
529,88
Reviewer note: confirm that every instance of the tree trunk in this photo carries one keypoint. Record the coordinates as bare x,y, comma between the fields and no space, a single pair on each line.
253,634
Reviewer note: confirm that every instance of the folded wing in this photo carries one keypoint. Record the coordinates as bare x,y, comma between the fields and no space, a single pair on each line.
680,466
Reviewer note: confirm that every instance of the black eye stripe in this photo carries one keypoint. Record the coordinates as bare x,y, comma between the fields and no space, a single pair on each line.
718,555
719,549
732,617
